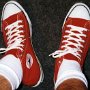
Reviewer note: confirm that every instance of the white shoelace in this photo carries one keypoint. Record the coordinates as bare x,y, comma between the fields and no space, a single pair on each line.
14,37
72,36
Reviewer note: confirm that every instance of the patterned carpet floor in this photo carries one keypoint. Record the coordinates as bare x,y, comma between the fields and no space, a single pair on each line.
47,18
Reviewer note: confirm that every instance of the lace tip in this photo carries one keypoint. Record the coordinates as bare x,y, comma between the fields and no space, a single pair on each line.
50,55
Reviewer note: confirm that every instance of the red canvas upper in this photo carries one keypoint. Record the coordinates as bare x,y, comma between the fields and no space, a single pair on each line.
32,74
75,22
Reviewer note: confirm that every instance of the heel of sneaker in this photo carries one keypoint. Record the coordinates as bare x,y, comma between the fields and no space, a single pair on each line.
40,79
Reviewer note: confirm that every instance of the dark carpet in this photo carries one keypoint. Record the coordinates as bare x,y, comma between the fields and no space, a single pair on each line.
47,18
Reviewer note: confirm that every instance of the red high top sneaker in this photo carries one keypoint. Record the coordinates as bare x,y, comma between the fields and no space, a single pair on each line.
17,33
75,37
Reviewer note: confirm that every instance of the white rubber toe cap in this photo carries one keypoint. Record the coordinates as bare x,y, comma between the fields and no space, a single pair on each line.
10,9
80,10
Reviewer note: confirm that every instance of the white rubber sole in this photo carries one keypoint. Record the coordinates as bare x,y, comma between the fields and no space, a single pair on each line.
30,26
77,4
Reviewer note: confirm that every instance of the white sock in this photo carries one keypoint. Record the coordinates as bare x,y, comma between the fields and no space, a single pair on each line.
70,69
10,68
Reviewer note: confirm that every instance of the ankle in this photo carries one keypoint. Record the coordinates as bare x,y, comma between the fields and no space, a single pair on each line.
11,69
72,84
70,69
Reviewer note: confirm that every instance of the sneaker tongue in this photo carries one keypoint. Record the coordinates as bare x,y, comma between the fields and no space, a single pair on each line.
12,19
16,52
71,57
68,57
77,22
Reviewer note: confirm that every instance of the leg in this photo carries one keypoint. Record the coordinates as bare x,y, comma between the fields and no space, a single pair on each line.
71,76
72,84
